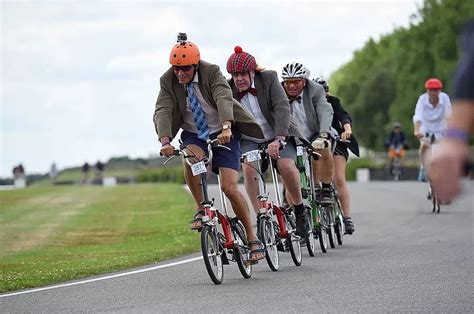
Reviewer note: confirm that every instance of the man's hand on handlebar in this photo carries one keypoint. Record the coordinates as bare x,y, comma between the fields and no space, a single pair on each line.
224,137
167,150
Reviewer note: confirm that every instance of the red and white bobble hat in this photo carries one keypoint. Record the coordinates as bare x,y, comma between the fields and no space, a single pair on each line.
241,62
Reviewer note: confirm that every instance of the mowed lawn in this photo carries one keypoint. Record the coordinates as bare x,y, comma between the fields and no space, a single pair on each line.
57,233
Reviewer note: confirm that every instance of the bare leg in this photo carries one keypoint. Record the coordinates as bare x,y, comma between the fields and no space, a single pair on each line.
341,184
194,181
325,165
291,178
251,185
229,179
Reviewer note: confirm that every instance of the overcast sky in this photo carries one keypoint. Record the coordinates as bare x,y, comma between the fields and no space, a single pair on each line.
79,79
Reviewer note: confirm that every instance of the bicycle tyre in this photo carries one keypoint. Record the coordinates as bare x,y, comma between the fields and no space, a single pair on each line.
309,239
211,252
241,252
339,223
293,240
266,234
330,226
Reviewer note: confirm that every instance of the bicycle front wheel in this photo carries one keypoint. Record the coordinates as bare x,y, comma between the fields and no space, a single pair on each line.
266,233
293,240
309,239
339,223
330,226
212,251
241,250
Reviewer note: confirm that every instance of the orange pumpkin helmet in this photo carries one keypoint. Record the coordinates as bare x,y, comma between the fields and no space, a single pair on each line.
184,52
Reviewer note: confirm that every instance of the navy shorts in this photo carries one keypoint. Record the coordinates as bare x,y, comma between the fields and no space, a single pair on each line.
222,158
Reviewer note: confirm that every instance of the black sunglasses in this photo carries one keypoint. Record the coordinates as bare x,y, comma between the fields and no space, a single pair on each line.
183,68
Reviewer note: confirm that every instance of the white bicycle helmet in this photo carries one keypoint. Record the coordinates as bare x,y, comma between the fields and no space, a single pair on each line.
294,70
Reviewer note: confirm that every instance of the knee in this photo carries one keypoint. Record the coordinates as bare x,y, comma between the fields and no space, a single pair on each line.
340,182
286,166
230,190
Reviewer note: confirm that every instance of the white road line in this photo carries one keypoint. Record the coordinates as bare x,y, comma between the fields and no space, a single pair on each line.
103,278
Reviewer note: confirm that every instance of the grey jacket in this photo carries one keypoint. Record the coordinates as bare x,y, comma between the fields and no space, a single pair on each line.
171,103
273,103
319,112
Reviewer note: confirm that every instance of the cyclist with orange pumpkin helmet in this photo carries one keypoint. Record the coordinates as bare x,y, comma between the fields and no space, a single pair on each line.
430,119
195,96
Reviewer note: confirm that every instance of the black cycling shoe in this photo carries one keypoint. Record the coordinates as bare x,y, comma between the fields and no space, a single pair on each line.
302,227
349,225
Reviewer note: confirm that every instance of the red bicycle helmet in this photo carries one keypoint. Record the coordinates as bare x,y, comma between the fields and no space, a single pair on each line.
433,83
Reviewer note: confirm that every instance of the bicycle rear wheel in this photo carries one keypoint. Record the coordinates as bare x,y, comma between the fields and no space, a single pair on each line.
211,252
292,239
241,251
266,233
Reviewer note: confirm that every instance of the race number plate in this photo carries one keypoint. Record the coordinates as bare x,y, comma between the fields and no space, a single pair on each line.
198,168
299,151
253,155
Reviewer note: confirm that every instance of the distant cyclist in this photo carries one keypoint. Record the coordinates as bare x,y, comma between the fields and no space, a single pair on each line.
342,123
395,144
430,119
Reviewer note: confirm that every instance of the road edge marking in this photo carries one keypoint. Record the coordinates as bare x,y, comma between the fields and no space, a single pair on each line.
102,278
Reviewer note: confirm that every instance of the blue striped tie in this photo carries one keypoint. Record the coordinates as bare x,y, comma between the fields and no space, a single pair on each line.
198,113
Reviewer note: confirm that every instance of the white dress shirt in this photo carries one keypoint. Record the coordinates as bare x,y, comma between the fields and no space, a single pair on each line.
433,119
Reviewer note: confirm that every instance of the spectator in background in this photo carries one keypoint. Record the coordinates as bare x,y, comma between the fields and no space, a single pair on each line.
53,173
446,167
99,170
85,173
18,172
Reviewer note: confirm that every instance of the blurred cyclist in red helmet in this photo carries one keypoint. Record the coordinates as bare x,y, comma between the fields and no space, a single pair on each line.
430,119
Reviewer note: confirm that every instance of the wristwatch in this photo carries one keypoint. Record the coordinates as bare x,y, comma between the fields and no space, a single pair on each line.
225,127
323,134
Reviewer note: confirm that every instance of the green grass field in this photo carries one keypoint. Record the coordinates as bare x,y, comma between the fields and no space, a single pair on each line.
51,234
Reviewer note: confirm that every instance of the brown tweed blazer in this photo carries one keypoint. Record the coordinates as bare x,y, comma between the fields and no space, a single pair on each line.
171,102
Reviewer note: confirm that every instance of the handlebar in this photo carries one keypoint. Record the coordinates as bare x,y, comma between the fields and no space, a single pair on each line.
263,149
211,144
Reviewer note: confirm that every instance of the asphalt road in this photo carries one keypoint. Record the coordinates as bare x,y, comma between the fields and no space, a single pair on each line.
402,258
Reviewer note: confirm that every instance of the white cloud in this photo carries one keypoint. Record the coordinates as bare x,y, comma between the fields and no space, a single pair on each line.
79,79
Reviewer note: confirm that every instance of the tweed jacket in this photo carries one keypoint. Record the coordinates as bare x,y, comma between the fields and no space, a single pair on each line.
319,112
273,103
171,103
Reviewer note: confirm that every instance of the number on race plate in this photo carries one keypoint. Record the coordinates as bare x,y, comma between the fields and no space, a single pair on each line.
253,155
198,168
299,151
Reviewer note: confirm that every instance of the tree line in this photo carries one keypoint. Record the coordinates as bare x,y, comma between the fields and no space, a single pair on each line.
382,82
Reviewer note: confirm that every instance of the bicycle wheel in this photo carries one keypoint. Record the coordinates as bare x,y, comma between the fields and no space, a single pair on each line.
266,234
292,239
309,239
320,229
338,223
241,252
330,226
211,252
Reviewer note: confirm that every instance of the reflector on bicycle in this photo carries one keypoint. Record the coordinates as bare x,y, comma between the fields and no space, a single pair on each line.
299,150
198,168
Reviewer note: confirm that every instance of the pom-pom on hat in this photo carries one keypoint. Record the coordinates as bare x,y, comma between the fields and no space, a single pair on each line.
240,61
